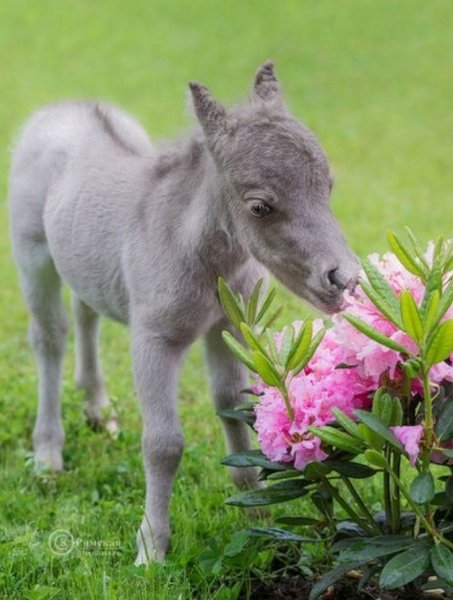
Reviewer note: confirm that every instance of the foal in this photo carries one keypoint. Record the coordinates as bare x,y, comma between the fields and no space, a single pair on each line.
141,235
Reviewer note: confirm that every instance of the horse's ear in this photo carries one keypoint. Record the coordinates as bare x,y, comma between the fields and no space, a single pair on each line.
266,86
210,113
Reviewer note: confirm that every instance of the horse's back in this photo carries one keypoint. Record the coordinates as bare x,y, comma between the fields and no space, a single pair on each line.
66,177
58,132
42,148
55,137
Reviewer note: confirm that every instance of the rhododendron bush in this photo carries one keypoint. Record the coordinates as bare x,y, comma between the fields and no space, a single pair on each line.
369,395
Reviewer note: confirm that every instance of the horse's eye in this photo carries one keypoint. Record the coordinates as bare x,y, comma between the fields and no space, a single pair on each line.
259,208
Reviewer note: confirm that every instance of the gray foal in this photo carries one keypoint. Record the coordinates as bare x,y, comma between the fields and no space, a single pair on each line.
141,235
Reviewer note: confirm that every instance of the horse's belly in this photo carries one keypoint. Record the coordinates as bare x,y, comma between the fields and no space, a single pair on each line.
86,253
108,299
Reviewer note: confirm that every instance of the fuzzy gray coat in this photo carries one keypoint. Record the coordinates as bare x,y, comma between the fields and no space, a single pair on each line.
141,235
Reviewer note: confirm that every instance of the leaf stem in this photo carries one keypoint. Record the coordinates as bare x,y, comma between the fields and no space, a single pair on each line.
347,508
428,421
286,399
423,520
361,504
395,497
387,494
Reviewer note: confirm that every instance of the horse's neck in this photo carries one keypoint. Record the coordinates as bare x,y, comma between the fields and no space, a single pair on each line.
203,197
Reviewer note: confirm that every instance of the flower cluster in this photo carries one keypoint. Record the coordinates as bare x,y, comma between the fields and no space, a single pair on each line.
346,370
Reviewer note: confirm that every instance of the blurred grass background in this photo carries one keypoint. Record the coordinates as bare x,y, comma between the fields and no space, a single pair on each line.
372,79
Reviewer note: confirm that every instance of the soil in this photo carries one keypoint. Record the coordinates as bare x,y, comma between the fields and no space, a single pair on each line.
296,587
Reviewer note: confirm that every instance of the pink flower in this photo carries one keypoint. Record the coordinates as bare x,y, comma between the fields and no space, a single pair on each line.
272,425
374,360
346,370
313,395
308,450
410,436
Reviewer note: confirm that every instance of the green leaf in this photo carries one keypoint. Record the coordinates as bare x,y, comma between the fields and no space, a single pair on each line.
266,304
436,584
338,439
445,302
378,427
404,255
407,520
380,303
301,345
442,561
410,315
287,342
252,458
417,250
370,438
441,343
448,264
375,335
270,320
350,469
241,303
383,406
438,253
387,302
251,340
405,567
348,424
412,368
440,499
388,409
266,369
428,313
298,521
310,352
397,413
237,415
332,577
375,458
449,490
253,302
444,424
349,529
433,285
383,410
316,470
366,549
271,495
230,304
323,501
289,473
211,558
238,350
271,346
42,592
237,544
422,488
279,534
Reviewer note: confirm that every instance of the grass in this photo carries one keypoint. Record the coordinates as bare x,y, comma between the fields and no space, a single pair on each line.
372,79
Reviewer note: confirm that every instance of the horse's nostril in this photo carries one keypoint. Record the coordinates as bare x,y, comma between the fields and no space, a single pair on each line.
337,279
334,279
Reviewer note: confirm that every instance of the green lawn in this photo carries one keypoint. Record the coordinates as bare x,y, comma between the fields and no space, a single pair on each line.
373,79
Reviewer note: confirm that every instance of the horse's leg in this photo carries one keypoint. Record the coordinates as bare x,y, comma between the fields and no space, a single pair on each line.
156,367
48,328
228,378
88,370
